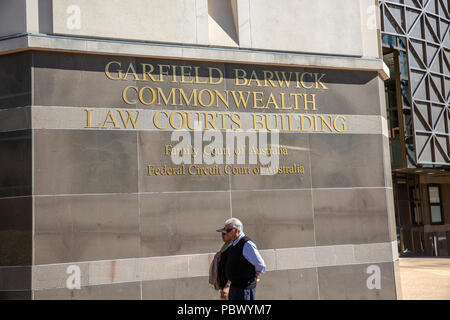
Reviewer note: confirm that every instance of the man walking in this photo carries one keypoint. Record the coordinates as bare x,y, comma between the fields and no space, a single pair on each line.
217,275
244,264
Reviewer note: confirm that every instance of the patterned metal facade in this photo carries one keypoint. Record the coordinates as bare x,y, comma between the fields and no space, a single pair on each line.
422,27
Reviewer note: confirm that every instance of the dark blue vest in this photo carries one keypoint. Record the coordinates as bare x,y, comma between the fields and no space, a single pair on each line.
239,271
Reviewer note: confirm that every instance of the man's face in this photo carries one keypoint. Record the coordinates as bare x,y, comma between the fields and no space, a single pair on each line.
231,233
225,237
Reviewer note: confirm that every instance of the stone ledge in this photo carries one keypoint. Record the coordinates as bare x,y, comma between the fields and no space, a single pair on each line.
197,265
200,53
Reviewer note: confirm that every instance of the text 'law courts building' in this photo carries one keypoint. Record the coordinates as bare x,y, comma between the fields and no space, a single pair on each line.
131,130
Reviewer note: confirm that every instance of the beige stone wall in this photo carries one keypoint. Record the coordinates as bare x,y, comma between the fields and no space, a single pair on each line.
325,26
344,27
12,17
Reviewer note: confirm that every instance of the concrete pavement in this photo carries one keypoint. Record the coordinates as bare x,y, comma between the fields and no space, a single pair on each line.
425,278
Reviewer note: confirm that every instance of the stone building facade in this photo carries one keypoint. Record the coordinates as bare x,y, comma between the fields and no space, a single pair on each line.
96,185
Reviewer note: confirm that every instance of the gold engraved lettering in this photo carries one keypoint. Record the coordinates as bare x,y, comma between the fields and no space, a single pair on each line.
236,118
110,119
88,119
329,125
211,69
258,122
283,102
174,74
197,80
296,96
313,101
272,100
192,97
344,124
253,77
258,99
131,70
268,76
241,99
125,95
283,79
172,122
141,95
210,121
200,98
225,101
311,122
130,118
184,74
318,80
166,99
148,73
240,77
302,81
119,71
163,72
155,119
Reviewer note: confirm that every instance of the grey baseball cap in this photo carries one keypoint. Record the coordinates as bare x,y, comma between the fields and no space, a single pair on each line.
222,230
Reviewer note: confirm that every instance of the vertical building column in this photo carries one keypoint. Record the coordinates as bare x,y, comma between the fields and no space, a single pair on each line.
370,25
244,27
12,17
32,16
201,8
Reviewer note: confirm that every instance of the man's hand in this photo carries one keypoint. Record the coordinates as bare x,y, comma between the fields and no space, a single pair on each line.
257,277
224,293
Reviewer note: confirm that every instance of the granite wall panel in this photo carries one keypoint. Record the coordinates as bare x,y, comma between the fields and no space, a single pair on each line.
96,198
196,288
80,162
182,223
16,231
152,152
276,219
288,285
350,216
64,79
84,228
15,159
345,161
15,80
120,291
354,282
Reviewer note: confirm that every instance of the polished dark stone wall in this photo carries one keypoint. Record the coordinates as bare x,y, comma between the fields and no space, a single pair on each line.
15,169
97,180
15,214
15,80
84,162
15,176
61,77
91,199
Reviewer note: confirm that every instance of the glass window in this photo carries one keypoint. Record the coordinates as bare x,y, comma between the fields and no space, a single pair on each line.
436,216
415,205
402,42
388,40
403,64
434,194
